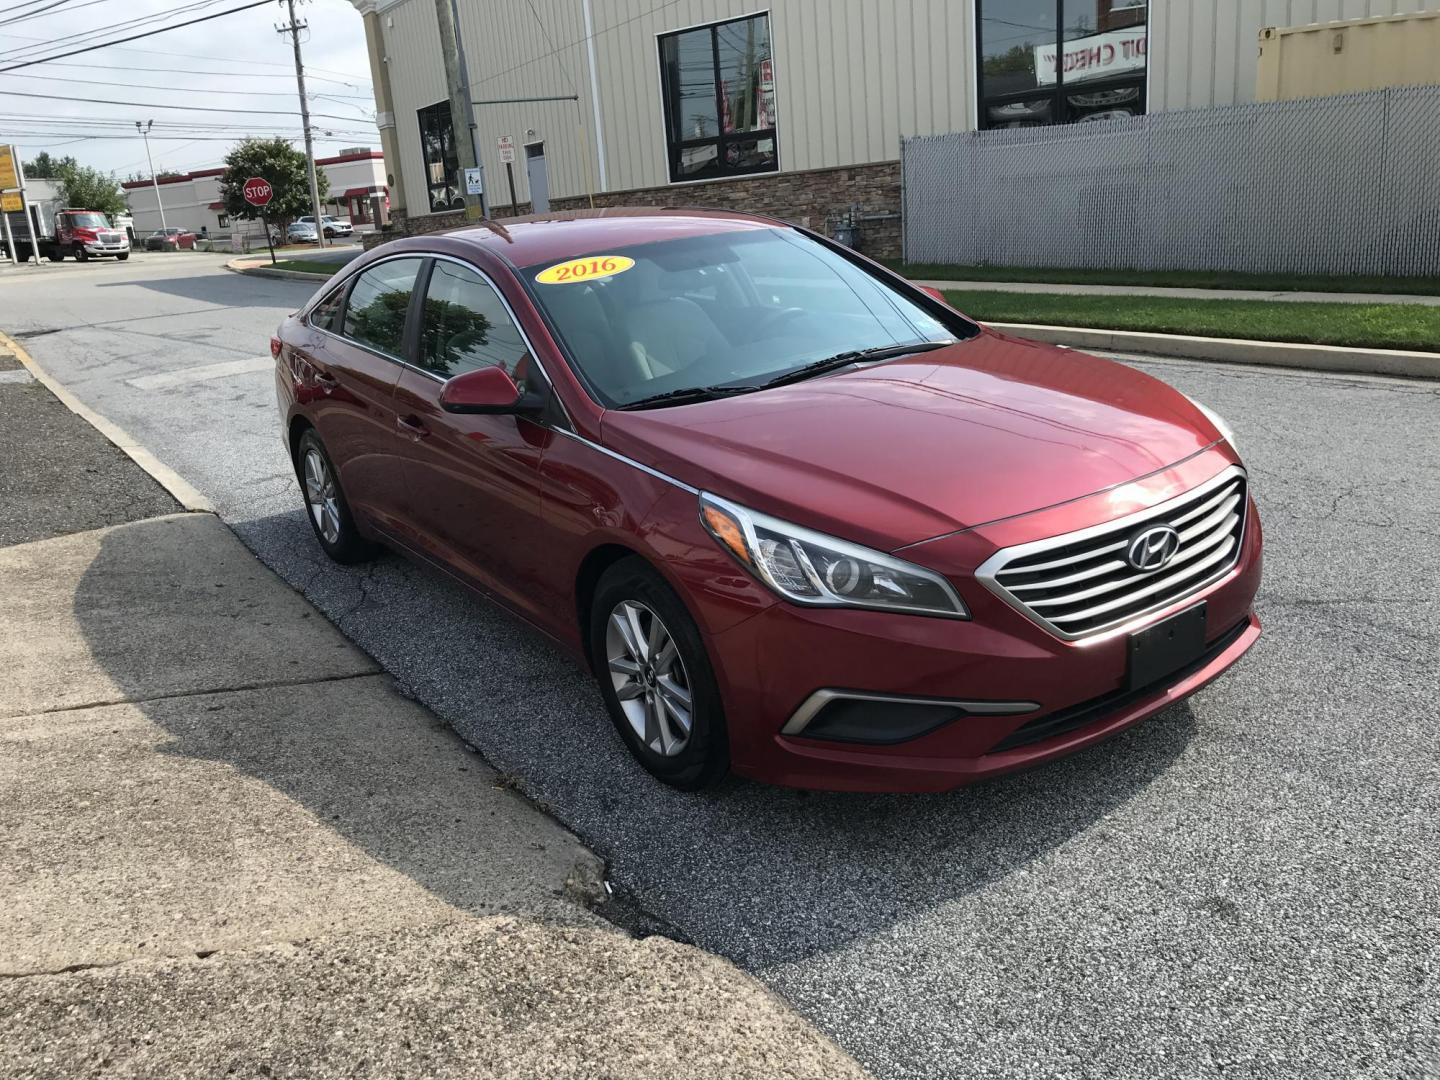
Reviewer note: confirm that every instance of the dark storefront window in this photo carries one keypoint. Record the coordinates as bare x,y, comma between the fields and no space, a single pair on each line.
442,163
719,89
1060,61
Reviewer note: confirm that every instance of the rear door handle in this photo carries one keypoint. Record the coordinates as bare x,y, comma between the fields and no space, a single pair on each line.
411,427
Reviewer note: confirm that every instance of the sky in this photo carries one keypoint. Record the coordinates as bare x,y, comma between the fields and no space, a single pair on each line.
236,62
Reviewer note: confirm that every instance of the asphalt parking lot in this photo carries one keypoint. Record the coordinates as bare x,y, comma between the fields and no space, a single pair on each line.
1247,885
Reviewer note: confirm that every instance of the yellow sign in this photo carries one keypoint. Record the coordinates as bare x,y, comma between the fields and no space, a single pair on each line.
10,202
592,266
9,169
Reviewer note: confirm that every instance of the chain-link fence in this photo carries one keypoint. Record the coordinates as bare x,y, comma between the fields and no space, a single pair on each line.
1338,185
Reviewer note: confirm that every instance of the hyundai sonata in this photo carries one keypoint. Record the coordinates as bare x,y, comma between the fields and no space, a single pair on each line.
802,519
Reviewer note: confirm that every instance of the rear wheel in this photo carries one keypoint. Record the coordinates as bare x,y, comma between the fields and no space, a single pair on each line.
55,255
656,678
325,504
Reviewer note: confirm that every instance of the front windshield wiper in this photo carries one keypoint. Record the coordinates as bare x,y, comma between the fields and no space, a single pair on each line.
855,356
689,394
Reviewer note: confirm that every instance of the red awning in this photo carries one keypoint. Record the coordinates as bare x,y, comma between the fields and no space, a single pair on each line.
217,206
355,192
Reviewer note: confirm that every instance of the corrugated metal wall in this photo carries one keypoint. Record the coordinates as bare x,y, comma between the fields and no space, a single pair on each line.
1204,54
852,76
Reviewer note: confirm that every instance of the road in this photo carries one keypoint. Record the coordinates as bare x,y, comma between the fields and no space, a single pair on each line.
1249,884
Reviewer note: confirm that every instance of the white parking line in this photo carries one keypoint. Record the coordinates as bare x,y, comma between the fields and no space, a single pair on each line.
166,379
20,375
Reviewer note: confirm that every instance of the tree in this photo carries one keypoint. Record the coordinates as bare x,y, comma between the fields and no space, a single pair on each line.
45,167
90,189
280,163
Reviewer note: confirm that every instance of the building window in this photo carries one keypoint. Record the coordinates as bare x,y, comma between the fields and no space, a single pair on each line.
442,162
222,221
1060,61
719,88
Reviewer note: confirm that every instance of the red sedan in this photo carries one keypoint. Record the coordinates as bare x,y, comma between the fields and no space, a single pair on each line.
801,518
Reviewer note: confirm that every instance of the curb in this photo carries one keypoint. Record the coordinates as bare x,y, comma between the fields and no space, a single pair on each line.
1337,358
284,275
179,488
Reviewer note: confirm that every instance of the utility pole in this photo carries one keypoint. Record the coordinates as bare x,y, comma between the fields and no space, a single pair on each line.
293,28
457,82
145,134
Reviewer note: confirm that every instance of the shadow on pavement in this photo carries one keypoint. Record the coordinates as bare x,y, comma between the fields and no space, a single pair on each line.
763,875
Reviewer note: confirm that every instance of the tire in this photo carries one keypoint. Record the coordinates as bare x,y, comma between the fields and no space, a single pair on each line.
81,255
328,514
55,255
122,256
661,688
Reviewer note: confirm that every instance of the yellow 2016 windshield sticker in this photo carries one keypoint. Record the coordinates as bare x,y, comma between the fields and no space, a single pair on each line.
592,266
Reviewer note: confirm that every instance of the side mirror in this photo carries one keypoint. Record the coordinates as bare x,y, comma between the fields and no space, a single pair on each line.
934,293
486,390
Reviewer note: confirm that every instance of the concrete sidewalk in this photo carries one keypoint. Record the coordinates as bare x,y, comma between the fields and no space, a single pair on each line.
229,845
1184,294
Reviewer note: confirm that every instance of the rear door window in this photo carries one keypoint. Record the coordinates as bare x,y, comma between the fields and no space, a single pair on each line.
465,326
379,302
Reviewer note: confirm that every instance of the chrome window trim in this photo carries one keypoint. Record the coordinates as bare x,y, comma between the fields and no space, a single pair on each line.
630,461
811,706
988,571
439,257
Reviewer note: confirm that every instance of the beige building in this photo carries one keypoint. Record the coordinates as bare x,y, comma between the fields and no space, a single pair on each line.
192,200
794,107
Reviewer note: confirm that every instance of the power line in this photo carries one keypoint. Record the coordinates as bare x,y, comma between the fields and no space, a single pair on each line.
194,90
245,60
288,76
81,37
32,14
181,108
22,18
137,37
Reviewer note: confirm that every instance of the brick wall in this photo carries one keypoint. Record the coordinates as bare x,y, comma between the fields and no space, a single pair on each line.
815,198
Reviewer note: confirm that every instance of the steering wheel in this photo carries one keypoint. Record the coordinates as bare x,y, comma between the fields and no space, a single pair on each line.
775,318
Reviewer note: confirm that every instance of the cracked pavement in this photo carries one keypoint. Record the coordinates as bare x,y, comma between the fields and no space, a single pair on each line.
1249,884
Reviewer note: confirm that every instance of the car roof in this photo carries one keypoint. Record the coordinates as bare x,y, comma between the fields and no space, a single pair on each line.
544,238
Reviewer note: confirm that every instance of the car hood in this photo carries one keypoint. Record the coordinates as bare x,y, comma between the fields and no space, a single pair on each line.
911,449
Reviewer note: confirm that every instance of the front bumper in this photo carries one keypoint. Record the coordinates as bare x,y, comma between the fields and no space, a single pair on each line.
106,249
772,665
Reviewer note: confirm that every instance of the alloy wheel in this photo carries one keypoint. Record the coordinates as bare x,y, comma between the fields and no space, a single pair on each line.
649,677
322,496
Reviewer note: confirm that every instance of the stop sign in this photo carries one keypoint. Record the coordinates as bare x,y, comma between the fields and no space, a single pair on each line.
257,191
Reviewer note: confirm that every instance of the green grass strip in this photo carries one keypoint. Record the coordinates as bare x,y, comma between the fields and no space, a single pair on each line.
1171,279
1373,326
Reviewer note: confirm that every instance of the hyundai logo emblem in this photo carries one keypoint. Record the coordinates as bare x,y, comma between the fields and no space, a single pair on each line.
1153,548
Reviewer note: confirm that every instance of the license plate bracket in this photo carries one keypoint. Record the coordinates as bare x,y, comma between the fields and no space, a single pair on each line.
1166,647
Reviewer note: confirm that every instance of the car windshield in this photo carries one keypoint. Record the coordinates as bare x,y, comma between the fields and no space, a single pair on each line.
727,310
89,221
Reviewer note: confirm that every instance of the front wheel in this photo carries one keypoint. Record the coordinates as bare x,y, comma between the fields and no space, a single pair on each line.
122,256
325,504
656,678
81,255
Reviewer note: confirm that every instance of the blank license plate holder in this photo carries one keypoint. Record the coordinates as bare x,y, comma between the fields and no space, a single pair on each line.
1166,647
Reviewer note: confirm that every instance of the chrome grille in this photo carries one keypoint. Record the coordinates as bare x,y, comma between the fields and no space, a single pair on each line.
1082,583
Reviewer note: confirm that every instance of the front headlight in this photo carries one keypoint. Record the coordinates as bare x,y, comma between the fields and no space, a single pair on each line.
1226,431
811,568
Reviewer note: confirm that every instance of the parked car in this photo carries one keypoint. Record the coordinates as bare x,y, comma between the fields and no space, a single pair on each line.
333,226
301,232
801,518
170,239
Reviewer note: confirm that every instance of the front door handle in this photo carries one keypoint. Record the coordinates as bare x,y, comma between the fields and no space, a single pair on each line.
411,427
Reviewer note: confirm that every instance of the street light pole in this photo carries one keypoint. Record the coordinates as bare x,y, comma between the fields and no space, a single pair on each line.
145,134
293,29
